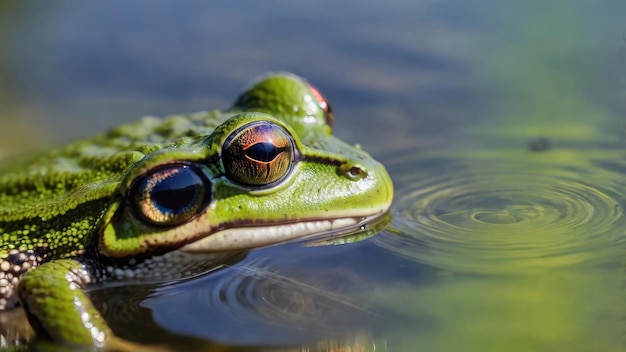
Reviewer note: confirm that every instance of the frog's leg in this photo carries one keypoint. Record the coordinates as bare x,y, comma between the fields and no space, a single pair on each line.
58,308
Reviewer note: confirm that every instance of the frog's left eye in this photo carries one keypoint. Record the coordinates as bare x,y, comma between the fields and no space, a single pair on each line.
258,154
170,195
324,104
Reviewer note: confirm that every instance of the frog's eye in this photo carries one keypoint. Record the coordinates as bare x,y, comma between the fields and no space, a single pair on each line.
170,195
324,104
258,154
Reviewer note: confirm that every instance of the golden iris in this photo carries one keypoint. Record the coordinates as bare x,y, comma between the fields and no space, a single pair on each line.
258,154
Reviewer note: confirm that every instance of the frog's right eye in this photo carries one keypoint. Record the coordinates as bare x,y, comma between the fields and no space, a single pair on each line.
170,195
258,154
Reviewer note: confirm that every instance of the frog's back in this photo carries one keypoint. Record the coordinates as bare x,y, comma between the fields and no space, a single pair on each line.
51,204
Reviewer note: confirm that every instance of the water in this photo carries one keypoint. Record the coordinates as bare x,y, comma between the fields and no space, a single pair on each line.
501,124
509,211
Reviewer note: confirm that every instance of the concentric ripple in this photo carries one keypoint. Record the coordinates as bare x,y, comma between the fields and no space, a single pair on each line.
273,305
491,216
313,301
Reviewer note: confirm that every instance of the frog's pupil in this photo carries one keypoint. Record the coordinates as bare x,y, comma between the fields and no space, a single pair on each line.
175,193
174,200
263,151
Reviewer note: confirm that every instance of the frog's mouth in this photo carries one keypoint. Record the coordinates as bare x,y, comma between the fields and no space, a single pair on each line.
264,235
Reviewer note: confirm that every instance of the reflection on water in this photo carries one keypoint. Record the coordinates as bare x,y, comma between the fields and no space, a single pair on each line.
555,310
274,305
500,214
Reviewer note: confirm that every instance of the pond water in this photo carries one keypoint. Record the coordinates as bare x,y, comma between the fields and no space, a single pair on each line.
501,124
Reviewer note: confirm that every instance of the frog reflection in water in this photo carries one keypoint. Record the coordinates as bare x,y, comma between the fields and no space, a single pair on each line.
153,199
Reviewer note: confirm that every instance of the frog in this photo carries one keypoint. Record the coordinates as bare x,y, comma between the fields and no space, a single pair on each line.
164,198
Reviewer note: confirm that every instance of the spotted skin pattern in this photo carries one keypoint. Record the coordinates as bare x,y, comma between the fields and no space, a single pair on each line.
13,265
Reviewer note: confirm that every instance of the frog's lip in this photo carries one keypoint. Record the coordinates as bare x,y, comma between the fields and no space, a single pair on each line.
242,238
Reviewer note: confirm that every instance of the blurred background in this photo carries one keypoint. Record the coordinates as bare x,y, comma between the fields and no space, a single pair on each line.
406,73
455,97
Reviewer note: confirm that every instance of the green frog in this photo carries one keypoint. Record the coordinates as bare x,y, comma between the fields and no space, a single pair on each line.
163,198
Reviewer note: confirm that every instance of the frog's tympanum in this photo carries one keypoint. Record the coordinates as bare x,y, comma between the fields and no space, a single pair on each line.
153,199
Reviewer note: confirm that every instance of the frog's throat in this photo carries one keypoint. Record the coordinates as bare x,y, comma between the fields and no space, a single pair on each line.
258,236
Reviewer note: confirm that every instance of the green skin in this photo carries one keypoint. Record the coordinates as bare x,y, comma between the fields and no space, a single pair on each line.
68,218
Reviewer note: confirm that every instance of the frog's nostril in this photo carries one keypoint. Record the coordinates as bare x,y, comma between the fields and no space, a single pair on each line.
356,171
353,172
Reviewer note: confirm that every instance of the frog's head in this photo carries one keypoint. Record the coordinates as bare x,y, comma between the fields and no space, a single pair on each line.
258,179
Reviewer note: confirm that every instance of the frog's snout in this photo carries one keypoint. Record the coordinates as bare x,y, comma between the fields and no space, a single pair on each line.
370,178
357,170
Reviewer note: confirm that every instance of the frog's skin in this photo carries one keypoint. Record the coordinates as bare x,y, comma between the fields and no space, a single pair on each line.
152,199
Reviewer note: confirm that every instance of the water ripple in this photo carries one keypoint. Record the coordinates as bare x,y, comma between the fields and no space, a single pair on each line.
499,216
273,304
317,301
